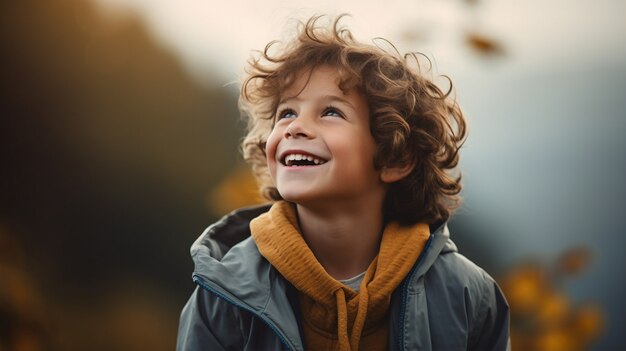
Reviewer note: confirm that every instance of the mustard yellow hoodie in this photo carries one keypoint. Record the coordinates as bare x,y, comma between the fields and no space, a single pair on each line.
335,317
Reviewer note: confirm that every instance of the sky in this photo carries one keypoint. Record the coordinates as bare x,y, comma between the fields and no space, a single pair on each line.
536,35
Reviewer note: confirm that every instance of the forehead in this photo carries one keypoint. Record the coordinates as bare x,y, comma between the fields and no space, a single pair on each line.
326,77
322,80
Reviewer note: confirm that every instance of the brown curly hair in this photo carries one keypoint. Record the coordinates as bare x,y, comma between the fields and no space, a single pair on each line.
411,119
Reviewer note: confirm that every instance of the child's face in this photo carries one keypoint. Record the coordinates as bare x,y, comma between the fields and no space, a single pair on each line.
321,150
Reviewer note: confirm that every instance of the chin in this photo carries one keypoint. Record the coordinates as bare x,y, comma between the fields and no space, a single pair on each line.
292,197
297,197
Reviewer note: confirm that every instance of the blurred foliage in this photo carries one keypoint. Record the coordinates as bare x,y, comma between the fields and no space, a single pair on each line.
484,45
479,40
238,189
543,318
23,325
107,149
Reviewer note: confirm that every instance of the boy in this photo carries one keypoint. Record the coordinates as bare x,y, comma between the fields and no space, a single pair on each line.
354,147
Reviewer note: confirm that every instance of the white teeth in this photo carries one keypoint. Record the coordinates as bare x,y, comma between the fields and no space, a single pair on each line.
299,157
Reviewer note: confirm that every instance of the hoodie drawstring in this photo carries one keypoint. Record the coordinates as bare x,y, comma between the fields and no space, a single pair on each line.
351,343
361,316
342,320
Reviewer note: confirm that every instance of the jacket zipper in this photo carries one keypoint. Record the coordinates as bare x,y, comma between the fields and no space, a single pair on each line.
405,288
271,325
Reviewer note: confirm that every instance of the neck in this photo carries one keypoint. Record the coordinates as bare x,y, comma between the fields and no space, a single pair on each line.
344,240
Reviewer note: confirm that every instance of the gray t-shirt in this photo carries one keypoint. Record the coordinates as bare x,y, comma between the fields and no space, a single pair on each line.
355,282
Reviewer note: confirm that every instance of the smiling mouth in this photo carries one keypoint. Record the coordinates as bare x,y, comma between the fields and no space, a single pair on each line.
301,160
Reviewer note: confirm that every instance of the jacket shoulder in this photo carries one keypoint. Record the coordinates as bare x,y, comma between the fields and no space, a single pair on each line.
458,271
468,297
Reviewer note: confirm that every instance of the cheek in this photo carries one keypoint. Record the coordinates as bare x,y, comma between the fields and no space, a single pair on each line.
270,149
364,159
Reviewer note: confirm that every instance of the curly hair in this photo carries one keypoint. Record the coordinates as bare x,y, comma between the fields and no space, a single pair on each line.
412,121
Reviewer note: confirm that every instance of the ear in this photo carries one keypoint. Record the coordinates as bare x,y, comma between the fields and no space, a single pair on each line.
394,174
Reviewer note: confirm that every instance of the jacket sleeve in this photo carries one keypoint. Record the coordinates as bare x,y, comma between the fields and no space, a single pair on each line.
208,323
491,328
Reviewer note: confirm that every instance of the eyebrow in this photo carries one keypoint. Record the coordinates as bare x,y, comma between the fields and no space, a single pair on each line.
325,98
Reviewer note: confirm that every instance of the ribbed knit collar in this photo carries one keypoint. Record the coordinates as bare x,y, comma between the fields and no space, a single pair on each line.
327,305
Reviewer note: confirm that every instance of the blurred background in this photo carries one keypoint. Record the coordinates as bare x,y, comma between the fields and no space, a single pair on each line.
119,136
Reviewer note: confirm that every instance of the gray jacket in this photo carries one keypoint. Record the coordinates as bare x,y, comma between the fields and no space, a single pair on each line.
241,302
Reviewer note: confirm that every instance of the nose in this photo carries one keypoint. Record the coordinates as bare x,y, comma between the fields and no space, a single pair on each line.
300,127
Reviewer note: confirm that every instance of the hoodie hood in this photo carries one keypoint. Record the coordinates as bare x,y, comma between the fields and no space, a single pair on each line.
331,310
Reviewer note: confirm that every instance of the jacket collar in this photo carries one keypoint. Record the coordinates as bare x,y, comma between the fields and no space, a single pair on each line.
440,244
253,284
218,240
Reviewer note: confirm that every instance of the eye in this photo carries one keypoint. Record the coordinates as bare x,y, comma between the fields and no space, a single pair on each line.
286,113
332,112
